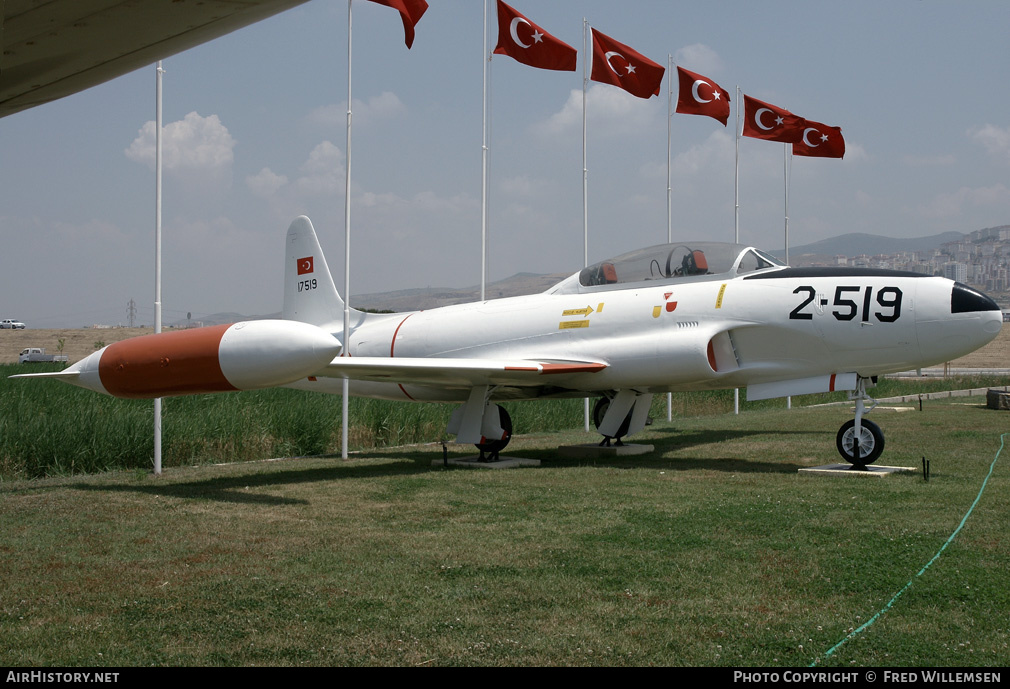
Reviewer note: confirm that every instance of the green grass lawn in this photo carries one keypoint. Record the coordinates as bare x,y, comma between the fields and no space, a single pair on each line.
712,550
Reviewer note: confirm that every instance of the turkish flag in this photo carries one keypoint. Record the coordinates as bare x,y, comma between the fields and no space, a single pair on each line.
765,121
410,11
305,265
701,96
523,40
616,64
820,141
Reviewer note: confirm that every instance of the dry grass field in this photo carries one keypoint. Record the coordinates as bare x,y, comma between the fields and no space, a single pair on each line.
77,342
80,342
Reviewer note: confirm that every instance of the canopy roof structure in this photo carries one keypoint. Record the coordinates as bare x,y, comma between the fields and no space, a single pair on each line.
672,262
53,48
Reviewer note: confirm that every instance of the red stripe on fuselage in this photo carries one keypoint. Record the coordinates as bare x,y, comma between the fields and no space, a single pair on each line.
392,346
165,364
392,343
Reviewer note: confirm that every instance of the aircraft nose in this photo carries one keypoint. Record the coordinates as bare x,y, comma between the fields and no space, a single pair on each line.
953,319
964,299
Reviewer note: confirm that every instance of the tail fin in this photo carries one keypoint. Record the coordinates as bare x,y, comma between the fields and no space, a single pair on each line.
309,293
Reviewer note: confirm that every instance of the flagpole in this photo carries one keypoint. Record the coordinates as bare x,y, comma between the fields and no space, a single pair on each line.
345,387
669,184
736,184
785,177
669,148
736,218
585,176
483,179
157,257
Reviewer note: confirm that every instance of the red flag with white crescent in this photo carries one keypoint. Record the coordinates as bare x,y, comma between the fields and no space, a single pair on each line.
616,64
701,96
820,141
521,39
410,11
771,123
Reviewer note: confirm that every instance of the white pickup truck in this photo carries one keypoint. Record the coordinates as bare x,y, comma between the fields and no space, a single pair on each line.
37,355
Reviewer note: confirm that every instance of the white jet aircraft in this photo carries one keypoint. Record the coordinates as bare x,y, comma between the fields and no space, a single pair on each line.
685,316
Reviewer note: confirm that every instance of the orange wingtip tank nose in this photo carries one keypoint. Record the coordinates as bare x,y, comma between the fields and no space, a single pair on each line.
172,363
221,358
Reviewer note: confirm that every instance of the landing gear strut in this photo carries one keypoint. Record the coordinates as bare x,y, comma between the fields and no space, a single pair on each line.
860,442
493,447
599,411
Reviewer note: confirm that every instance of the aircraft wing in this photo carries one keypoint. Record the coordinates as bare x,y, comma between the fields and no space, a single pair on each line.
457,372
55,48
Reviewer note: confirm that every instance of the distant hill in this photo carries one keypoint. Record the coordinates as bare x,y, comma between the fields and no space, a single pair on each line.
433,297
217,319
853,244
857,243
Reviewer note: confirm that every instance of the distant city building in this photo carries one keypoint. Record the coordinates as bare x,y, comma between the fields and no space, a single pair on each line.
956,271
981,259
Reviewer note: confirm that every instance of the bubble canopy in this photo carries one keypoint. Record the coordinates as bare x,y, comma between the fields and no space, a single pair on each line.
675,262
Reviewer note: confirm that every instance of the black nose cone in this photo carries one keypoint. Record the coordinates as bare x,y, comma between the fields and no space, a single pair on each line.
964,299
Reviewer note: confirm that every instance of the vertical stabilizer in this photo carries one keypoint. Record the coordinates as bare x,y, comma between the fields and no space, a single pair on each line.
309,293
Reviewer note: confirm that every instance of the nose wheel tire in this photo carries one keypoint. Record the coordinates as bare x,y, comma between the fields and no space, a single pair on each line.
871,442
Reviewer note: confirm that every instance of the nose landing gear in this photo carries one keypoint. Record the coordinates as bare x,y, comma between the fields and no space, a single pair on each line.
860,442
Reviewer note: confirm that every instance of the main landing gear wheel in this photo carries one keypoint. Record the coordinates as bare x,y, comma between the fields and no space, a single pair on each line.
871,443
599,411
493,447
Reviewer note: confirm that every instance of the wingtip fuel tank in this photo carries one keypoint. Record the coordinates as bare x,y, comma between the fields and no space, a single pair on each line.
242,356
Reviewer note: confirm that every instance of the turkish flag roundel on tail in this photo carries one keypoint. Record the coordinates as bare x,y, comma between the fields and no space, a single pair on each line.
523,40
820,141
616,64
765,121
410,11
701,96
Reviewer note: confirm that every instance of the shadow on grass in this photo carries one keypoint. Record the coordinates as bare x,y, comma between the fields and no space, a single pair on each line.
672,440
256,476
241,489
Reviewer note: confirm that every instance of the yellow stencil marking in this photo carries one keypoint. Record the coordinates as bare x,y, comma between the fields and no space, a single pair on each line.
567,325
718,300
656,310
599,307
578,312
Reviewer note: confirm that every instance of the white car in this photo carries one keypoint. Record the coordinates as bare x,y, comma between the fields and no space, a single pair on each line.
12,324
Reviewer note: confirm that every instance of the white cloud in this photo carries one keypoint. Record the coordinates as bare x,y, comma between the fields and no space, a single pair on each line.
192,144
323,172
966,199
855,152
698,57
717,150
995,140
610,111
384,106
265,183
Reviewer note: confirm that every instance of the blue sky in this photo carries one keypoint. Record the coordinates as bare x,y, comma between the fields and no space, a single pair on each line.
255,135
